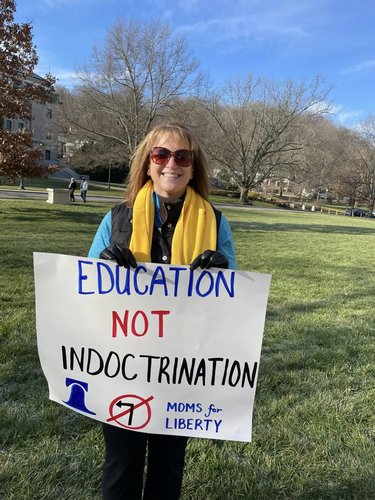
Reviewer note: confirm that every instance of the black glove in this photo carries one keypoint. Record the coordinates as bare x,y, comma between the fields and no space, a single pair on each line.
210,258
123,256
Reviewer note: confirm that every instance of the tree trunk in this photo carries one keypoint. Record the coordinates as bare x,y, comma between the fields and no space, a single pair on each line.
244,195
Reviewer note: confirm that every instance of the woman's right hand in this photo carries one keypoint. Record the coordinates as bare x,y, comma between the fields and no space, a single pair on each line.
123,256
210,258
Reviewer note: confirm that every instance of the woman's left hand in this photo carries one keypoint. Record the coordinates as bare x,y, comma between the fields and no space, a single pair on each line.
210,258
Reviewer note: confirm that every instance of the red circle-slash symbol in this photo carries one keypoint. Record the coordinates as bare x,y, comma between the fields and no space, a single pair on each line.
131,402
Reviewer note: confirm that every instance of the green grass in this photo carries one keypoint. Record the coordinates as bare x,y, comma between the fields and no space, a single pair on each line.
314,425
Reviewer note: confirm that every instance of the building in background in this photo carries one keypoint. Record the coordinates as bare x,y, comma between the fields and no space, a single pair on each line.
44,126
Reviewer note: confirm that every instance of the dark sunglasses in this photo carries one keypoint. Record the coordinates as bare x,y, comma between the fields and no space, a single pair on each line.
182,157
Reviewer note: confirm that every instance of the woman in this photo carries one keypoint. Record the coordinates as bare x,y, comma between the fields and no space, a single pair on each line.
166,218
72,187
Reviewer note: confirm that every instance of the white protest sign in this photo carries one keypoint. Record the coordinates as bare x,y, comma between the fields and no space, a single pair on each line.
157,349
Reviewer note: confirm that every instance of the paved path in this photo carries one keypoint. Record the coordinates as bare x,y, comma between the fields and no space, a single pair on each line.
28,194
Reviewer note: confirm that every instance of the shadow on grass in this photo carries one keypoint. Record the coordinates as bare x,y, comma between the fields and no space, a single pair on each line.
341,488
308,228
73,215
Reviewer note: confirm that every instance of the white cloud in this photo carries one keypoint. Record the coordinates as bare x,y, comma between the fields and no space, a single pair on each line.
64,77
362,66
324,107
258,26
349,118
58,3
232,27
346,117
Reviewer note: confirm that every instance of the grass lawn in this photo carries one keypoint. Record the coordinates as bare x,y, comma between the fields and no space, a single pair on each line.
314,420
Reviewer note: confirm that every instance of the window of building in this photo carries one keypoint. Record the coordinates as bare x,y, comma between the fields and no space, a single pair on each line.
21,126
8,124
49,113
48,134
47,154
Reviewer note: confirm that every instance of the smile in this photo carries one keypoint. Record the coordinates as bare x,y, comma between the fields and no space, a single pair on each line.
170,175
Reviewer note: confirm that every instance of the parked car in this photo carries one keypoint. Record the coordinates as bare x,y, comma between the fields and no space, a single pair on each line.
371,214
355,212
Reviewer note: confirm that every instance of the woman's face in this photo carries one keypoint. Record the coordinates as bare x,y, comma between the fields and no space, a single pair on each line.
170,180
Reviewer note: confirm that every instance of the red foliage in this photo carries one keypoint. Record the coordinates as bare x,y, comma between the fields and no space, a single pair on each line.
18,89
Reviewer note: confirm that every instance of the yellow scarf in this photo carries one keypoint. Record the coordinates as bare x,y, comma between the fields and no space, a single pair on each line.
195,231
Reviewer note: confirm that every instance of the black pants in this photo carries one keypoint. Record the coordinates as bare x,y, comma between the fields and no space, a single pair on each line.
125,459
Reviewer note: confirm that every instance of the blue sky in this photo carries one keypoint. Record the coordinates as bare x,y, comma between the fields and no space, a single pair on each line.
278,39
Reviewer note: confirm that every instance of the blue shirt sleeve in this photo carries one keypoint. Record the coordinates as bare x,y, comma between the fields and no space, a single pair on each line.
102,238
225,243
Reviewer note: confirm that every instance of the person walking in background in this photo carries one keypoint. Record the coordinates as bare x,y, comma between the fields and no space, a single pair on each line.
83,188
72,187
166,218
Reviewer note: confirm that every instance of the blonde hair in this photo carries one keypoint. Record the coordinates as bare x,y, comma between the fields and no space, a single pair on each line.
141,160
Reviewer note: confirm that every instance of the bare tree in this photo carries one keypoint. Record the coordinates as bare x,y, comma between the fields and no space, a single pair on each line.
259,127
325,157
362,158
18,90
131,82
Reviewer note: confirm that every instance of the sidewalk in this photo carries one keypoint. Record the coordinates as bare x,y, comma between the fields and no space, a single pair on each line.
28,194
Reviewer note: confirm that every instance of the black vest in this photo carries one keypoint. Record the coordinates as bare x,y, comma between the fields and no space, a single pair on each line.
161,239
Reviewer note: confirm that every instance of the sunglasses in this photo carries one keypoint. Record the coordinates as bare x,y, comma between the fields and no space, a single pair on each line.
182,157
